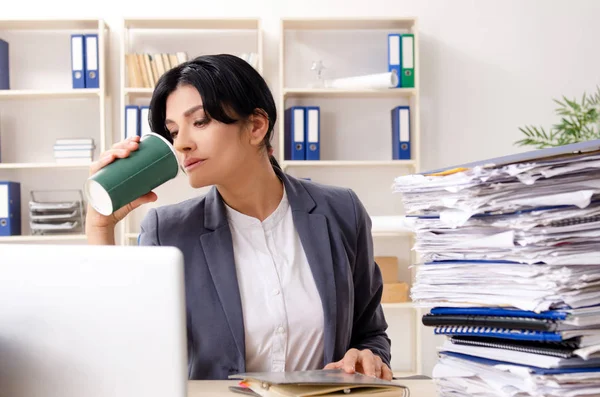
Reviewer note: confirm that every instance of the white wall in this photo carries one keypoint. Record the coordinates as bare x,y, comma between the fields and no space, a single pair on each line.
487,67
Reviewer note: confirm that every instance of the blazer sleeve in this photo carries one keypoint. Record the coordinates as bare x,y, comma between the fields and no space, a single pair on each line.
149,229
369,328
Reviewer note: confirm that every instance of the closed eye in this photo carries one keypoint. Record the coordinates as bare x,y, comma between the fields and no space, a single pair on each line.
200,123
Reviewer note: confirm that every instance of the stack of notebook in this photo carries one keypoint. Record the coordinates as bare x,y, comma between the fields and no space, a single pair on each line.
510,251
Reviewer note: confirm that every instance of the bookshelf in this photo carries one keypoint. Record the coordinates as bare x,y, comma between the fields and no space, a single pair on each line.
355,136
41,99
349,116
194,37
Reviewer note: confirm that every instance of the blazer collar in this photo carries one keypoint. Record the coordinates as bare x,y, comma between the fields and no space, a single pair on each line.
215,214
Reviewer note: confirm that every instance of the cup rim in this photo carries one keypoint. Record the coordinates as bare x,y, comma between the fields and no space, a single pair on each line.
170,145
101,201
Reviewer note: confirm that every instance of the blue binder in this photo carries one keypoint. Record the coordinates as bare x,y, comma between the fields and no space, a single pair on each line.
92,65
78,60
132,121
144,121
501,311
295,149
4,67
313,133
401,133
395,55
10,208
502,333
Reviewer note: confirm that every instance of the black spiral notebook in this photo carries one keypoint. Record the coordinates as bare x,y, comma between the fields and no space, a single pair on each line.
555,349
526,323
508,318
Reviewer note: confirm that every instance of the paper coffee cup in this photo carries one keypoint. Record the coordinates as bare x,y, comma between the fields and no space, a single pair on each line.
124,180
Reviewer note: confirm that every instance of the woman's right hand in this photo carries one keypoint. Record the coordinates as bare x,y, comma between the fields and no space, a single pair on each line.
97,221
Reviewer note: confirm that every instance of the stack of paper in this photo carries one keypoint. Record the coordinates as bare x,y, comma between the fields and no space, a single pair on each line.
56,211
510,252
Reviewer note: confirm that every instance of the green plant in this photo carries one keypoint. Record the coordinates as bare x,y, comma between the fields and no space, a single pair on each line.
579,122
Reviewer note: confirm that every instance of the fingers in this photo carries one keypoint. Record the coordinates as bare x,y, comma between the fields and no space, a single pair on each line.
126,142
367,361
146,198
386,373
363,361
335,365
378,366
350,360
122,212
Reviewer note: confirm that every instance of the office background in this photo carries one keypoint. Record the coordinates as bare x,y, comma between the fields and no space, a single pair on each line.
486,68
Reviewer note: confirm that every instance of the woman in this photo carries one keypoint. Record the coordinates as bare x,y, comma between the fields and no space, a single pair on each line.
279,271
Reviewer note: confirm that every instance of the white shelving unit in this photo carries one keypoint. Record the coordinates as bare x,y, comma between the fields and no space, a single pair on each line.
195,37
355,130
41,106
355,127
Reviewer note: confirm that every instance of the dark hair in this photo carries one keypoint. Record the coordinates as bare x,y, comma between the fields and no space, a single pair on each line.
227,84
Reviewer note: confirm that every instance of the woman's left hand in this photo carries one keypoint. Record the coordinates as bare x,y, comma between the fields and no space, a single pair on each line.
364,362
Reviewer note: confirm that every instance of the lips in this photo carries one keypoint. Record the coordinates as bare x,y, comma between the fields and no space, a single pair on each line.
191,161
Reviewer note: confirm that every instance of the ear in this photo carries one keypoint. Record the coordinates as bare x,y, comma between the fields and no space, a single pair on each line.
258,125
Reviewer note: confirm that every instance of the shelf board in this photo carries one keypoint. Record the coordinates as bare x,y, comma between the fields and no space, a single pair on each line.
49,24
348,23
138,91
361,93
391,234
189,23
17,166
51,94
350,163
402,305
42,238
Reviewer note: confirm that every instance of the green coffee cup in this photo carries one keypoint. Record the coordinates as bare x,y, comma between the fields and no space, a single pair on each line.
124,180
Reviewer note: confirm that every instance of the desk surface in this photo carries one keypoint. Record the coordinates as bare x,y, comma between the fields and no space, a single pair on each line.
418,388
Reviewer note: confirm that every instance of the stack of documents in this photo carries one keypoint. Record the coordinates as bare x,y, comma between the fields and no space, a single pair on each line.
74,151
510,251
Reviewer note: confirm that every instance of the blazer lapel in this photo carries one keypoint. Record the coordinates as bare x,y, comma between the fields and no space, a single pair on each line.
314,235
218,249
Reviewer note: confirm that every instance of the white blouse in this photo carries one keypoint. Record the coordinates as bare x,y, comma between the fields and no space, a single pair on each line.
283,315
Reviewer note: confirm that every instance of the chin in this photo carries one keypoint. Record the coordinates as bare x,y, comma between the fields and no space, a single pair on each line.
198,183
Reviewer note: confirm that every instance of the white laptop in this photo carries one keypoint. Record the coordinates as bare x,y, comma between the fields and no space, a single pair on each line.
91,321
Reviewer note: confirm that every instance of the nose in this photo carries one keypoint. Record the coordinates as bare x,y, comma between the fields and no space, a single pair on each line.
184,142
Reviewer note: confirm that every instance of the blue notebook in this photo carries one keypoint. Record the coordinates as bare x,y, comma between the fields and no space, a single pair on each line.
501,312
584,316
585,337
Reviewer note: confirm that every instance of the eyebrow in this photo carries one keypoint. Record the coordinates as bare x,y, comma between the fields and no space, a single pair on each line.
187,112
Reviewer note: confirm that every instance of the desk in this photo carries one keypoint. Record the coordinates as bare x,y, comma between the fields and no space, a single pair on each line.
218,388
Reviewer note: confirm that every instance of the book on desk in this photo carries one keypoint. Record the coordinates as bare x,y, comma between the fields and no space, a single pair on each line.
315,383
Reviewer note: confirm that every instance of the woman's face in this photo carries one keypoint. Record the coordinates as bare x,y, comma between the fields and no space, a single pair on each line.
210,151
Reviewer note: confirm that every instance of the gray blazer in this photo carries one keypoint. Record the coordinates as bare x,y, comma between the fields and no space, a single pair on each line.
335,231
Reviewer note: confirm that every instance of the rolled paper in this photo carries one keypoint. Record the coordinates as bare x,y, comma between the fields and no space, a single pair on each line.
369,81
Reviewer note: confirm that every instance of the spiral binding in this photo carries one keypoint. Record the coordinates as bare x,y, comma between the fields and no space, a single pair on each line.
498,333
575,221
547,351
